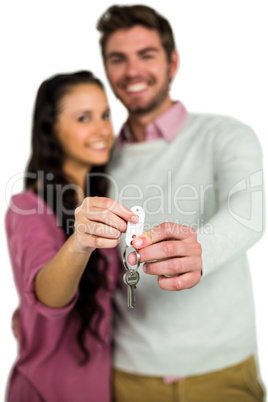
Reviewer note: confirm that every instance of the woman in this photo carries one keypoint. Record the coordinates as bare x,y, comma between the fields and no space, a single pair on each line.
64,281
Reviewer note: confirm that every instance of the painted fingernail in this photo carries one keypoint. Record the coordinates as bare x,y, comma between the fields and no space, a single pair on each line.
144,268
118,240
134,219
137,242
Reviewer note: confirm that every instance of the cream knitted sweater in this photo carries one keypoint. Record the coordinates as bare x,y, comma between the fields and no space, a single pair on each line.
210,178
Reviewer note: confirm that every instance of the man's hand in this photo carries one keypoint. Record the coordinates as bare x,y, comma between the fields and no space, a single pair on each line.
170,249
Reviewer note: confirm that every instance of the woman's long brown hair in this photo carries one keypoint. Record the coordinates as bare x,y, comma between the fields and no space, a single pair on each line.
45,176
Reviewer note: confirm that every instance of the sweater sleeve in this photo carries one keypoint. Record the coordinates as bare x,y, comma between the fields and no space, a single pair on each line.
34,238
239,220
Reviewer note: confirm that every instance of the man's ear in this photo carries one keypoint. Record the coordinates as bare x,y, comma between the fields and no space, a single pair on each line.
104,64
174,64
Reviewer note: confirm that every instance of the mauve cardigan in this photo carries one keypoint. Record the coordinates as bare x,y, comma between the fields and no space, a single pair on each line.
49,355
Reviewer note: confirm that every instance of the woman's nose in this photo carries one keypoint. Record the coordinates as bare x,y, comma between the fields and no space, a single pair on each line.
103,127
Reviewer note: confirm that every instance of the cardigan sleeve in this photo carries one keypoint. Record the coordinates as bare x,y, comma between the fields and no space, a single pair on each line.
239,220
34,238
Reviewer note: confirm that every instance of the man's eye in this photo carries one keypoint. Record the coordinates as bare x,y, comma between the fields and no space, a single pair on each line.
147,56
116,61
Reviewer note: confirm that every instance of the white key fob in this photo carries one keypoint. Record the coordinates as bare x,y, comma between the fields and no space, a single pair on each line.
135,229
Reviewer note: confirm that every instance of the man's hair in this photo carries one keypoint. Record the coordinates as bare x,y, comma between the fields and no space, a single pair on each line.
125,17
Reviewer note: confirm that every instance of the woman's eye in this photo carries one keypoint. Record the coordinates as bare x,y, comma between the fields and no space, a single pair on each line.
83,119
106,116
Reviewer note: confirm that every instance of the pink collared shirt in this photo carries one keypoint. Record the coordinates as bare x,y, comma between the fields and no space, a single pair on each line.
164,126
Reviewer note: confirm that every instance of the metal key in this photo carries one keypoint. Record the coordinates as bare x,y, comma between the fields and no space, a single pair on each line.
131,278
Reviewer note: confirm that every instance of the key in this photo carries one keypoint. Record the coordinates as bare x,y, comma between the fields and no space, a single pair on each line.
131,278
135,229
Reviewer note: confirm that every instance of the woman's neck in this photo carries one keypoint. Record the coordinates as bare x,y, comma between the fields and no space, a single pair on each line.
77,174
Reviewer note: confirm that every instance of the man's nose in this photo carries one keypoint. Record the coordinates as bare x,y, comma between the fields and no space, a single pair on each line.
133,67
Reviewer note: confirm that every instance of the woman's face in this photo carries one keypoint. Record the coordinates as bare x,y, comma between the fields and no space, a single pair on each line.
84,127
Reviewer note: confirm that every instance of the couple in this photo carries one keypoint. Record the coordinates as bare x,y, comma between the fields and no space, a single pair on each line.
196,343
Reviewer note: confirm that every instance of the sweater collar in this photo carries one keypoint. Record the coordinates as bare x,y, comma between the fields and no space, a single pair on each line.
166,126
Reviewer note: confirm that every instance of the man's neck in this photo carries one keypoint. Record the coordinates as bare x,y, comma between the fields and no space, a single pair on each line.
138,123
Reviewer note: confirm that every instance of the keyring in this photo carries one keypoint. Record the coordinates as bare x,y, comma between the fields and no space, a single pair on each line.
125,260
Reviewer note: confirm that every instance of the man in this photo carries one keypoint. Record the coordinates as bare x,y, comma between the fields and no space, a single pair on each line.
192,175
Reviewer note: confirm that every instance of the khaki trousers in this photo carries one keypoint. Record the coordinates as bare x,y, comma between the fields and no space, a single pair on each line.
237,383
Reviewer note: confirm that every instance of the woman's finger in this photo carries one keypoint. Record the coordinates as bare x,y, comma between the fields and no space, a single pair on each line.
97,229
97,242
118,209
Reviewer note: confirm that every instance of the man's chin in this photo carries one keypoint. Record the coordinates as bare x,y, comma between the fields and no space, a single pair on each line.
133,107
139,109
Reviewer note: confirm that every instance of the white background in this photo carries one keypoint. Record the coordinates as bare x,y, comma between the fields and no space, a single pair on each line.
223,69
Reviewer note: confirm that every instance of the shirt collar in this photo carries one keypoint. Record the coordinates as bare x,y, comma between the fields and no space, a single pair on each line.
164,126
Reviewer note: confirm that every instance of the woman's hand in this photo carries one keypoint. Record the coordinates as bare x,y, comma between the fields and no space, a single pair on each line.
99,223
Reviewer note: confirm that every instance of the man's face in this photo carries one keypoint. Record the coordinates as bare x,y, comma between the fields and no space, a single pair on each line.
138,70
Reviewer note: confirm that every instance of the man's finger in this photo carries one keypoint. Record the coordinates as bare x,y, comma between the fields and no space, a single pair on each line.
164,250
181,282
167,230
173,266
